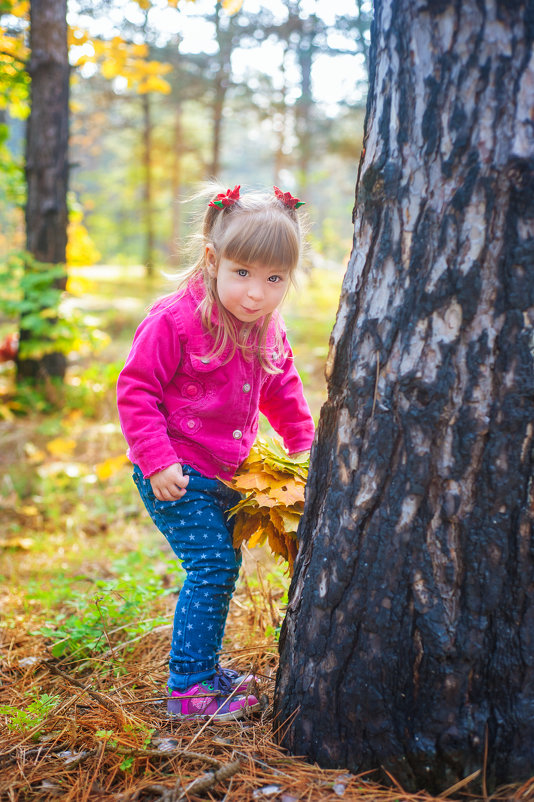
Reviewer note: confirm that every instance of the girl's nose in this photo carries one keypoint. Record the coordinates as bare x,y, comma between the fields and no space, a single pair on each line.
255,291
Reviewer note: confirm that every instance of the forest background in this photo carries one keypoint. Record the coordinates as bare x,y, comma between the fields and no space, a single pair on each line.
163,96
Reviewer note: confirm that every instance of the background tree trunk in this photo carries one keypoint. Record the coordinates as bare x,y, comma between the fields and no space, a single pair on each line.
409,638
176,186
47,154
148,211
221,83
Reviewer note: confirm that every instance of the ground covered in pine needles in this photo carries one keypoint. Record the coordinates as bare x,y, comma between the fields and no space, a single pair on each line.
87,592
88,595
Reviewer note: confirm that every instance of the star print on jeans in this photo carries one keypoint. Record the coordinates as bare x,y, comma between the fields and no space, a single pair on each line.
201,536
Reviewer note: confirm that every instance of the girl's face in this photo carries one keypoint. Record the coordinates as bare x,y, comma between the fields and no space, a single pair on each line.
248,292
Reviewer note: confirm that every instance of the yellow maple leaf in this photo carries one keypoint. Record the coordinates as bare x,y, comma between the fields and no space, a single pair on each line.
252,480
290,520
263,500
277,543
273,485
258,538
245,528
289,492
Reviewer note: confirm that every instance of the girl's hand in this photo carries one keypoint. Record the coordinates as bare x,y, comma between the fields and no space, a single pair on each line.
300,454
170,483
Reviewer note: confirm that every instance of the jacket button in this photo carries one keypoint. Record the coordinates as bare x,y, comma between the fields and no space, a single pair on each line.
191,423
191,390
205,360
237,435
246,388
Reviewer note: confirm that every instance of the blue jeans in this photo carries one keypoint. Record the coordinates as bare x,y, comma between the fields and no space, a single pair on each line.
200,534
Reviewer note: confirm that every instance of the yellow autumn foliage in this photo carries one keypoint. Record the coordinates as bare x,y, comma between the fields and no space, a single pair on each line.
81,249
117,57
18,8
154,84
105,470
13,46
61,446
272,484
232,6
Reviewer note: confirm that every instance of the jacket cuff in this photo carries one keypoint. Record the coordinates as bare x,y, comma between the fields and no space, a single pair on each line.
154,457
300,439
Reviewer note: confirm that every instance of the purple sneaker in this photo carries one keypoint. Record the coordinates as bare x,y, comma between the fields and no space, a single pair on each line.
210,698
235,678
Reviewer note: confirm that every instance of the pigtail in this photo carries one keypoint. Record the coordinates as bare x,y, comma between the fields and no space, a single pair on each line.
252,228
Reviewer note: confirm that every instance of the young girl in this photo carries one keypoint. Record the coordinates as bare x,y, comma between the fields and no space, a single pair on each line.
203,364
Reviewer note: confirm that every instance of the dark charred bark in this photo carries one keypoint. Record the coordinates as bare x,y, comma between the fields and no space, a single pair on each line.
47,155
409,638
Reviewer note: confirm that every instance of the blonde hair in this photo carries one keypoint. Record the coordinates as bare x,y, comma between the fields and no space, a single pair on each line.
257,229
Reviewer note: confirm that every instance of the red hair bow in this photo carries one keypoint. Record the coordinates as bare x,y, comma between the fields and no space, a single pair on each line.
227,198
288,199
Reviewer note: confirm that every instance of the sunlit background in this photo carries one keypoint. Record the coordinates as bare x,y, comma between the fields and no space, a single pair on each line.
164,97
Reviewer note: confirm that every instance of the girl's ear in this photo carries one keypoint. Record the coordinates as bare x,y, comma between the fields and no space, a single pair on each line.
211,260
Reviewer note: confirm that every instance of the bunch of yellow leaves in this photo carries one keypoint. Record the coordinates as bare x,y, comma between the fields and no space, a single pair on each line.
273,485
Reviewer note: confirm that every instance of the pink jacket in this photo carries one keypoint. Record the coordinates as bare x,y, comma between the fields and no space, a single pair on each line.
176,404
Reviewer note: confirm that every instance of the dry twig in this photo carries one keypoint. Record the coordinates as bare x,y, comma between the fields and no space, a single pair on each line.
208,780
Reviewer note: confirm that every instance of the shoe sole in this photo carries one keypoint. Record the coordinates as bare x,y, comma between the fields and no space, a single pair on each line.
234,715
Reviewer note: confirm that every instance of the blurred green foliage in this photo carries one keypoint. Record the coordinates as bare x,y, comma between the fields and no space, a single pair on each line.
31,297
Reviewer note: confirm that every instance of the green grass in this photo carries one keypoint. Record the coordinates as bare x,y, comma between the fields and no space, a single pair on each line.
83,563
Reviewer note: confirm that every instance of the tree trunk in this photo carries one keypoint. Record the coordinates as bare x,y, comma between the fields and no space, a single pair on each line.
47,154
304,105
409,638
218,108
147,185
221,83
176,186
280,123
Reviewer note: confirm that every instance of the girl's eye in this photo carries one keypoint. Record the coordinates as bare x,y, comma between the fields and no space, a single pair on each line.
274,279
242,272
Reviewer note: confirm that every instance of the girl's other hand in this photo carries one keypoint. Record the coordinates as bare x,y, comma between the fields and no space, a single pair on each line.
169,484
297,454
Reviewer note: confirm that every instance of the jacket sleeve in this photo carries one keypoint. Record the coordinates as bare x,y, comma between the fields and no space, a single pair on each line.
151,364
283,404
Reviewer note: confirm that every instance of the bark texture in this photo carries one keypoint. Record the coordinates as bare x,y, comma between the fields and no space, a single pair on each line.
409,638
47,150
